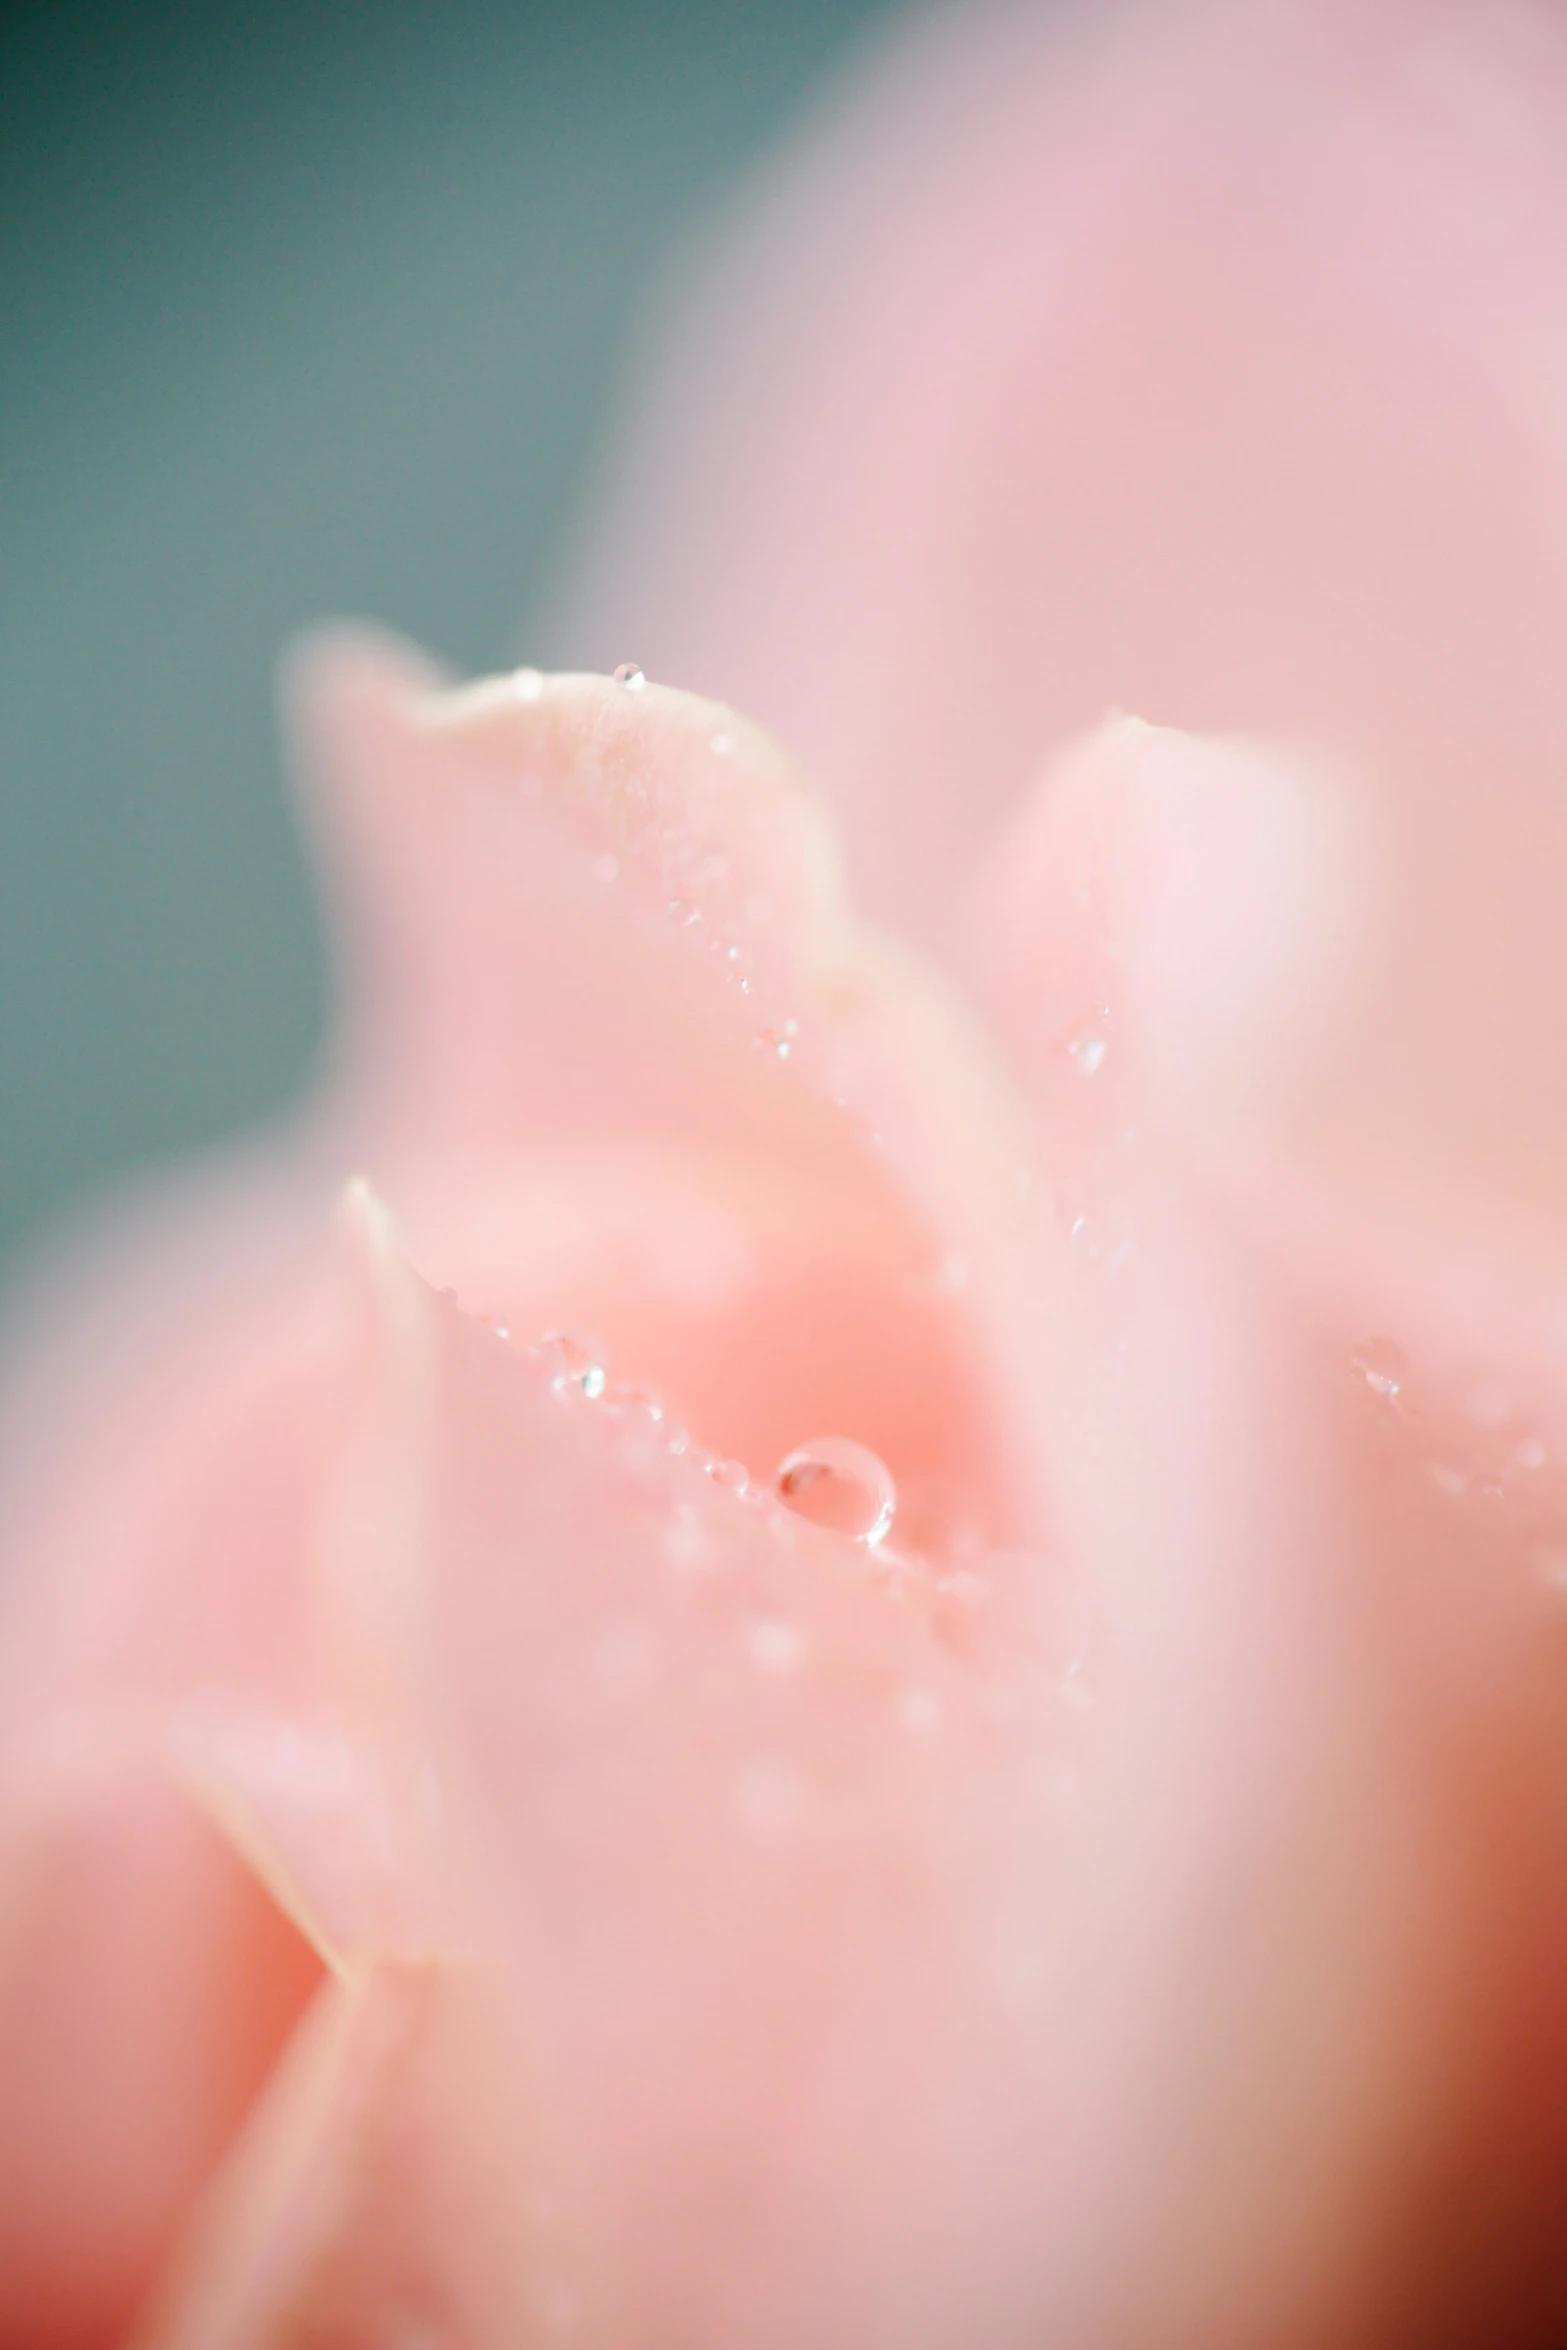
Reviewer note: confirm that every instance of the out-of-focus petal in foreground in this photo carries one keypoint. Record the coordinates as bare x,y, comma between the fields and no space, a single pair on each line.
1201,361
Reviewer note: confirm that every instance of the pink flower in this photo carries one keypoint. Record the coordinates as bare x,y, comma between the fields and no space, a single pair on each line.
480,1865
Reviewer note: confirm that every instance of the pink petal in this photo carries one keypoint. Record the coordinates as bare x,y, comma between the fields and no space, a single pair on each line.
603,1094
1199,361
1332,1580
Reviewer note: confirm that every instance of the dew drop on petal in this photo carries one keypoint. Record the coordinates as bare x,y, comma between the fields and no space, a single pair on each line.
839,1484
1088,1052
631,675
733,1476
571,1365
633,1403
1529,1453
1382,1365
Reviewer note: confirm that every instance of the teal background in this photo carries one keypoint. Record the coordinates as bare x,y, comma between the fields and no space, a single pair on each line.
303,310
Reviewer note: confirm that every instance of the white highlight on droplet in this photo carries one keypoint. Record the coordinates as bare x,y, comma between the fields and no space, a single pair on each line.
835,1482
571,1365
1382,1365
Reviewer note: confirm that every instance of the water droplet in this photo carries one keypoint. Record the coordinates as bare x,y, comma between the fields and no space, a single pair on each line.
837,1483
604,867
638,1403
682,911
501,1329
1083,1237
1088,1052
733,1476
1382,1365
1529,1453
776,1645
571,1365
777,1041
631,676
721,745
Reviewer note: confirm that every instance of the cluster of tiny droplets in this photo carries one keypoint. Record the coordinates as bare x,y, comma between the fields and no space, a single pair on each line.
778,1040
575,1371
1488,1462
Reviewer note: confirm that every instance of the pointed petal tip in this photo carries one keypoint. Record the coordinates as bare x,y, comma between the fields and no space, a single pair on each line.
381,1275
365,1219
335,662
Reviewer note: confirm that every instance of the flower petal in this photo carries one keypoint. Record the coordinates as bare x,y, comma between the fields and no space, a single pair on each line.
626,1063
1201,360
1323,1592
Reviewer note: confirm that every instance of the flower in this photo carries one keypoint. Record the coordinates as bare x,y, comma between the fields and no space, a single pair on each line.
486,1858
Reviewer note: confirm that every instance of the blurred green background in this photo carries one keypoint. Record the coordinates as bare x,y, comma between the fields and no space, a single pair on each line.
304,309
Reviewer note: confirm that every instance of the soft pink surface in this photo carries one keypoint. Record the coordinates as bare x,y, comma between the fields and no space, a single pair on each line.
474,1870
